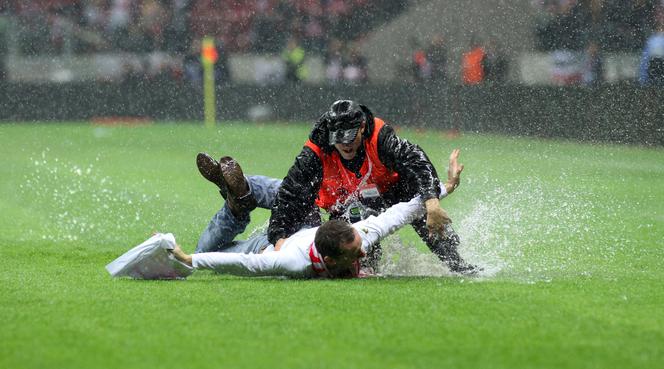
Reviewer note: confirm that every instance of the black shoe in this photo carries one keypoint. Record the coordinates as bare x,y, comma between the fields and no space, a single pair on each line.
447,250
464,268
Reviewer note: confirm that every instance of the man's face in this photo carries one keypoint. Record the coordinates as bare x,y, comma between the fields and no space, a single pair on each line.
351,252
349,150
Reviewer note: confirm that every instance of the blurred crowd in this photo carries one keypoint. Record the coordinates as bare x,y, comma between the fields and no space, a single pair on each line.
170,25
576,32
614,25
480,62
579,33
292,29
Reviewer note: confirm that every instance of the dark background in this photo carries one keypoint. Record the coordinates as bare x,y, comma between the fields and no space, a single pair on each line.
610,113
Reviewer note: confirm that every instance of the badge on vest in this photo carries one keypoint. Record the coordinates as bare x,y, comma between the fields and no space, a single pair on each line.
369,191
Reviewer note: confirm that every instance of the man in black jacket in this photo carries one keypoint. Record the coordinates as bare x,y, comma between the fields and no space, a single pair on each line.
354,164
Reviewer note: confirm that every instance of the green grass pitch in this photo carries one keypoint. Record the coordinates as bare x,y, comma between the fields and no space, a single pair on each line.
571,236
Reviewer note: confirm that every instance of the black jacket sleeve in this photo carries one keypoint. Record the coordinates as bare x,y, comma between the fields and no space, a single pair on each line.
294,203
415,170
294,206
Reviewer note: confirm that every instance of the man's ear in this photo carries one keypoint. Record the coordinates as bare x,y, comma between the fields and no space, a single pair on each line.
362,130
329,261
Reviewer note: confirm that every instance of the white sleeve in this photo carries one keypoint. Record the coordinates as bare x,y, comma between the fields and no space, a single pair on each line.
443,191
375,228
277,263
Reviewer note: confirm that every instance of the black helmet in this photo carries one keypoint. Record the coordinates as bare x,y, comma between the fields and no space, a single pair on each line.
344,120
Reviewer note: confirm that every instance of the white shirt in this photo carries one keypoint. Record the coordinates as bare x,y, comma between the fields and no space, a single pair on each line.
294,260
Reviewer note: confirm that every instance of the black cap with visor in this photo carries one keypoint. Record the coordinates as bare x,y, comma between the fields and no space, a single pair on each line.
344,121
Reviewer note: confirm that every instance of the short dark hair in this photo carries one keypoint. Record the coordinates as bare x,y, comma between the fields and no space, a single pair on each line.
331,235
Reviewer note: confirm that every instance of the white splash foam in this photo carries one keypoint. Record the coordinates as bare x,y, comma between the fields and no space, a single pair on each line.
404,259
83,204
529,231
540,232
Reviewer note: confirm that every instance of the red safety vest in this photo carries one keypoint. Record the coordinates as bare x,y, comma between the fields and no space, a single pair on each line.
473,70
339,182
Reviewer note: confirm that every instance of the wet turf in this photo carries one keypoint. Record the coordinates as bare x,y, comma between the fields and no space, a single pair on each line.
571,237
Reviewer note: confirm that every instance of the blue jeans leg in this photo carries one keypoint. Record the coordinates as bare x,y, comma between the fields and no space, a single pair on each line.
221,231
253,245
224,226
264,189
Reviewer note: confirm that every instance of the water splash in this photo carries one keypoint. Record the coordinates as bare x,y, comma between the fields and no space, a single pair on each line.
81,203
529,231
404,259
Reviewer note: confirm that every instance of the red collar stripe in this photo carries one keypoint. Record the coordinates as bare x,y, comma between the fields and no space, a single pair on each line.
317,263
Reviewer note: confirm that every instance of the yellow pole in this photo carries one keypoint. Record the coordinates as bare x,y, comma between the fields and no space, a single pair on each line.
208,58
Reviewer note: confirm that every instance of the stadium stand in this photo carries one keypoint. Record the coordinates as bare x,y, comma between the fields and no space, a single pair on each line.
149,25
376,40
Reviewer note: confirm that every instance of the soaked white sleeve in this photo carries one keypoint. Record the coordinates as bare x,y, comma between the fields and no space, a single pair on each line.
375,228
276,263
443,191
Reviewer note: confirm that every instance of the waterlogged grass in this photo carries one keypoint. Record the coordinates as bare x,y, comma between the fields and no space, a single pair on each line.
570,235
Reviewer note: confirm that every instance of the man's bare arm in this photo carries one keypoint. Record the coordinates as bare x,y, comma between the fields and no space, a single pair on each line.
436,216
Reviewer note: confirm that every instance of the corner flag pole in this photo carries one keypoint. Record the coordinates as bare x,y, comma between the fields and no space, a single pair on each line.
209,56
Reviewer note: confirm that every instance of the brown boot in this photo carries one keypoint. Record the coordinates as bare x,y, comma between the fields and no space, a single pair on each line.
239,197
227,175
211,171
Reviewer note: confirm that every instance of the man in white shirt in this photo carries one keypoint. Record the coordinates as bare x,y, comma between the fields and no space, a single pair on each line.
330,251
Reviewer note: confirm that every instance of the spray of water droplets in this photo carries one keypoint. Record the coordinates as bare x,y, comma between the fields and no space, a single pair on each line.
80,203
404,259
526,231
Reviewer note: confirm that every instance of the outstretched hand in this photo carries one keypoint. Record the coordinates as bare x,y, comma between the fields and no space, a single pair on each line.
436,218
181,255
453,172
